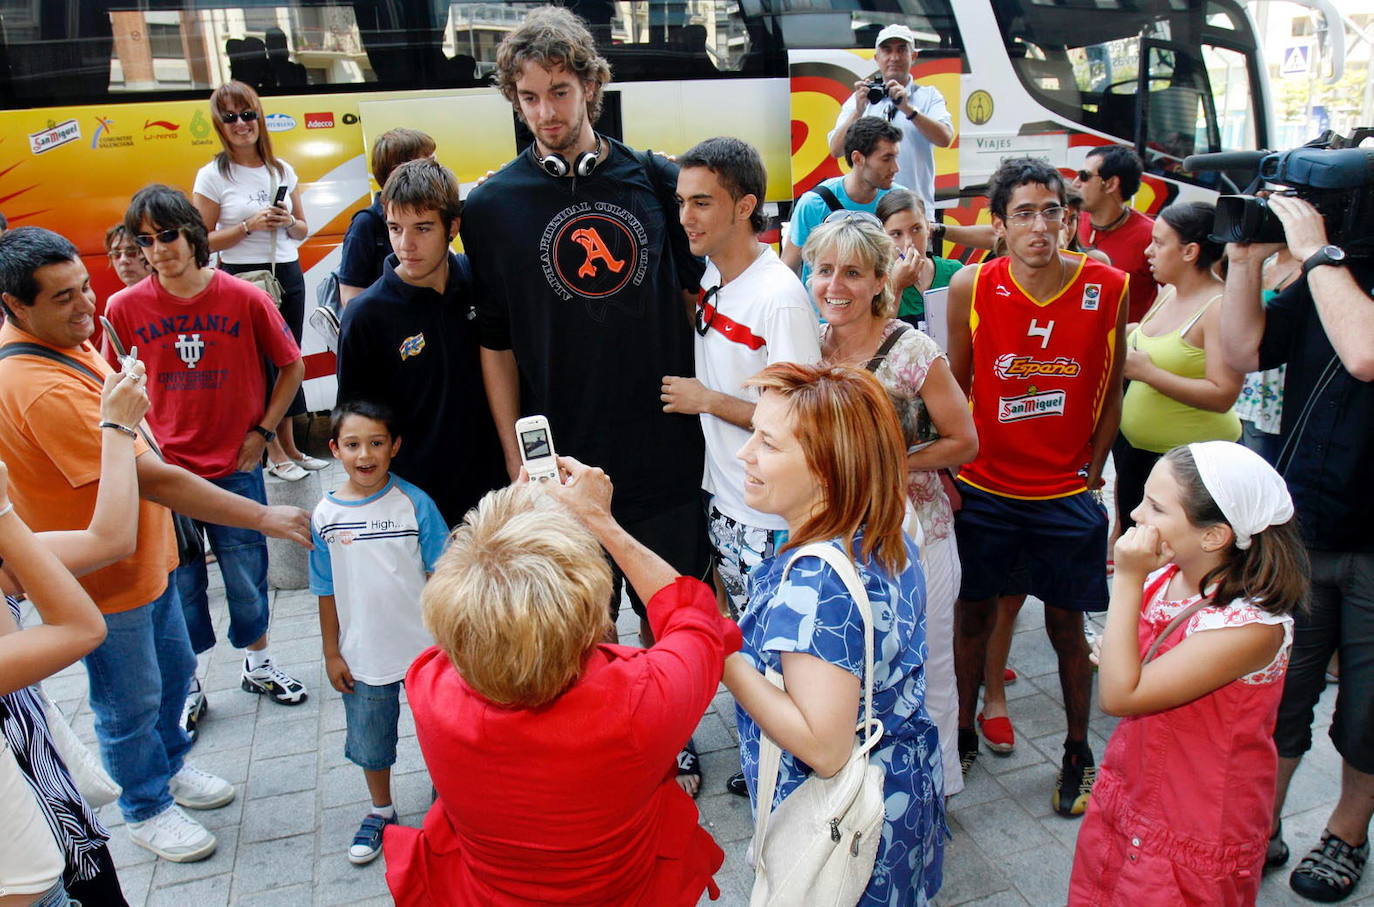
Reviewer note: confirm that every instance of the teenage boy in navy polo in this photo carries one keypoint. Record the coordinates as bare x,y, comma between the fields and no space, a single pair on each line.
410,341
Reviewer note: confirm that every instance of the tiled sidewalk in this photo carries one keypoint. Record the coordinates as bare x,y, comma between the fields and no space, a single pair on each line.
282,840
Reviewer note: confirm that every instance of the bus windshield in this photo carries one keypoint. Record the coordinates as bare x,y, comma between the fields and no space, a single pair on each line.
1175,78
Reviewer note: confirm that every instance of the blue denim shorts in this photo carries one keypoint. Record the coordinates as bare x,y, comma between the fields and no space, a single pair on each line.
372,713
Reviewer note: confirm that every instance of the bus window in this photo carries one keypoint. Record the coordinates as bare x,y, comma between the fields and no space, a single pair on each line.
1082,59
1229,75
856,23
71,51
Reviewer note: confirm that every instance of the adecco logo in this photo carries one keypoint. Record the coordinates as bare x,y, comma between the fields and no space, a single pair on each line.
319,121
280,122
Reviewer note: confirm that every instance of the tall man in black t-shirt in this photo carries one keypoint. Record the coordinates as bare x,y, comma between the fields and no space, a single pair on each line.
584,281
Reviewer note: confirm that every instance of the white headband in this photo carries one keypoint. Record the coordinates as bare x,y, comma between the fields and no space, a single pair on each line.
1251,495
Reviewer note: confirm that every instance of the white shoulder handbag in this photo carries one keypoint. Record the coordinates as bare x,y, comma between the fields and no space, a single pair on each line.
822,841
89,776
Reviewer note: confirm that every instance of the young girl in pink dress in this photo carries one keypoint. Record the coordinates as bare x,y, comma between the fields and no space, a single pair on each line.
1195,665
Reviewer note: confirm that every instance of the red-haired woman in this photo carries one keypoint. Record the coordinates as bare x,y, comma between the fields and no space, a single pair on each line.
827,455
234,194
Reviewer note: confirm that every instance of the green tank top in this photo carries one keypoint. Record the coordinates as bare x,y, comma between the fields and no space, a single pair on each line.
1156,422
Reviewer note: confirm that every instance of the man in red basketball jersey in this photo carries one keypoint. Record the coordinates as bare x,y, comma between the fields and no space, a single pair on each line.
1035,339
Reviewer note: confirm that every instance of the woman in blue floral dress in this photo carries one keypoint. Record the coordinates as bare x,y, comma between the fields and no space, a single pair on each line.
827,455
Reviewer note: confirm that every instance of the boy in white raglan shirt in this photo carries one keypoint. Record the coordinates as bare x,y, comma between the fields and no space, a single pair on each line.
377,538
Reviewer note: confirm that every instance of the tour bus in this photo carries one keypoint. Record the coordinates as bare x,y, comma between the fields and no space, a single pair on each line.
100,98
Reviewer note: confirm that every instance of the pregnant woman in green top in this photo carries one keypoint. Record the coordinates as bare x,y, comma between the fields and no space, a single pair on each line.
1180,389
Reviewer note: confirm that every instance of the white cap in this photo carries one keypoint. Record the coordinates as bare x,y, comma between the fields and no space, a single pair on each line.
895,31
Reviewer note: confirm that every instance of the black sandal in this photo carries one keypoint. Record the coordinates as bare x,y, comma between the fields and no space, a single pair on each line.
689,764
1277,853
737,785
1330,871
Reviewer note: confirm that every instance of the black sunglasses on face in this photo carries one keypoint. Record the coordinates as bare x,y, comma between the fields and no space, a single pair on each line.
1085,175
247,116
163,236
703,322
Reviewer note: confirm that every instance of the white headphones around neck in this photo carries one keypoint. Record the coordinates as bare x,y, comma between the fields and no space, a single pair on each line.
555,164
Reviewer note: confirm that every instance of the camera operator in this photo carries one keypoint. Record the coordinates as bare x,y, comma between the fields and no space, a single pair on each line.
925,121
1322,327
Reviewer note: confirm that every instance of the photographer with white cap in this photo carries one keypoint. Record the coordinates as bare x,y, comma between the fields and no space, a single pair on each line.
924,121
1322,327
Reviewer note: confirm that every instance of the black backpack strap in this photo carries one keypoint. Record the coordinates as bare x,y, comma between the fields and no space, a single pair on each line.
886,347
831,200
24,348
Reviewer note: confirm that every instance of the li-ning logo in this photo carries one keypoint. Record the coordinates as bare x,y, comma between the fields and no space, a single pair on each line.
190,348
1010,366
412,346
589,239
1030,406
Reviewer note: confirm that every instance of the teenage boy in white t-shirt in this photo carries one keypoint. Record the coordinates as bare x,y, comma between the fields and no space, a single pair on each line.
752,312
376,541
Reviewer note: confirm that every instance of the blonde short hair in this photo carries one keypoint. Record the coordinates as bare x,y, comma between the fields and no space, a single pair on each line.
862,242
519,598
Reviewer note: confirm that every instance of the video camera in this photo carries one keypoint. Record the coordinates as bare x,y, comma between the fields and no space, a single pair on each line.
1330,172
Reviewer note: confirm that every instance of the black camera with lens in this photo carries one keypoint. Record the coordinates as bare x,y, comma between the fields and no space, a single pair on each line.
877,90
1331,173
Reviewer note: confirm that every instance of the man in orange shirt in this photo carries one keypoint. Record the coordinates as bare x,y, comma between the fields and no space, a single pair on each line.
50,382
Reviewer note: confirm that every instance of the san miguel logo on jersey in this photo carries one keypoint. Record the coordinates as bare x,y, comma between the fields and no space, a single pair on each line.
412,346
1013,366
593,251
1031,406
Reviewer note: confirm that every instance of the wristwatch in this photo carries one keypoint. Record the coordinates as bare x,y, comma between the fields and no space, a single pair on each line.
268,436
1326,255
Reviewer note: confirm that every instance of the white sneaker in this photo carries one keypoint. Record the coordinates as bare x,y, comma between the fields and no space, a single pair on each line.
310,463
195,789
173,835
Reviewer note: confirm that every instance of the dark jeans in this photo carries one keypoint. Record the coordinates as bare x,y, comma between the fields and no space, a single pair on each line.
292,309
1340,617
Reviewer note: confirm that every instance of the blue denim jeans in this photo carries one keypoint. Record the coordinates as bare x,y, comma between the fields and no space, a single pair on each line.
55,896
371,713
242,556
138,677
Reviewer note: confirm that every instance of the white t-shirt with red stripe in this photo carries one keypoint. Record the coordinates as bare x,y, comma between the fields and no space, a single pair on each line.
762,316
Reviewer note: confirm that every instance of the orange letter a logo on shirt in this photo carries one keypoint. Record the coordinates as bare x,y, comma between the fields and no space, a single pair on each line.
591,241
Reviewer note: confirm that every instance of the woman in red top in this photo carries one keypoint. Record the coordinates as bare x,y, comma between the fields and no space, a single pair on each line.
1181,810
552,752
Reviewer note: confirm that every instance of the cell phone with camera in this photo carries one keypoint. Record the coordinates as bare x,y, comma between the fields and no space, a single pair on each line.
281,197
536,448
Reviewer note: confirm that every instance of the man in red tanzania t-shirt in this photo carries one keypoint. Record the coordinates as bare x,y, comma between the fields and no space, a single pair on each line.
204,335
1109,178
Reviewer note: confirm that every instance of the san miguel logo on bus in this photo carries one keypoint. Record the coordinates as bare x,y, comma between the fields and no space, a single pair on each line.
1013,366
55,135
593,250
319,121
160,129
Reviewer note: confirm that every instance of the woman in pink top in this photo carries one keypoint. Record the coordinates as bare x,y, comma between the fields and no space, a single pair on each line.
1181,810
